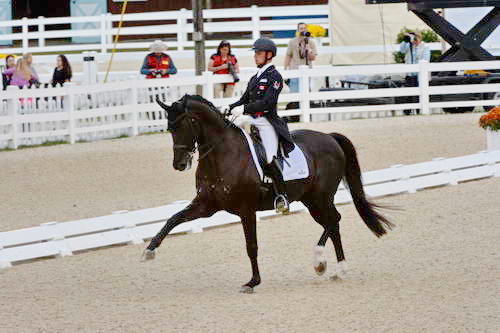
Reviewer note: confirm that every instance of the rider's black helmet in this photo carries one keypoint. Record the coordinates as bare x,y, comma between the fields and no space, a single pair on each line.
265,44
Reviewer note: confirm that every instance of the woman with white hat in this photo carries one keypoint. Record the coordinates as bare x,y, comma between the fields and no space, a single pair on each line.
158,64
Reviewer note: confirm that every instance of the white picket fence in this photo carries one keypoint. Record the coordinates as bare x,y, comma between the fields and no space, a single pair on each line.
251,20
94,112
124,227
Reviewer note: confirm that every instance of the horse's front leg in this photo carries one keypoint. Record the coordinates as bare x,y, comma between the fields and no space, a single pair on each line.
249,222
197,209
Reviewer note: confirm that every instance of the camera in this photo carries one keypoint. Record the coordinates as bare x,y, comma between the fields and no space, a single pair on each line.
156,73
305,34
409,37
232,72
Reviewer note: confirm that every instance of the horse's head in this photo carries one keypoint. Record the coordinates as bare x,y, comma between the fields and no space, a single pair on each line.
193,120
185,131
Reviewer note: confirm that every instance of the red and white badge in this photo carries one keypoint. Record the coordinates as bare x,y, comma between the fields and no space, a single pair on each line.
262,87
276,85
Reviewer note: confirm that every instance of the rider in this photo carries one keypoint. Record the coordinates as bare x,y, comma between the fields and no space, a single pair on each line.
260,102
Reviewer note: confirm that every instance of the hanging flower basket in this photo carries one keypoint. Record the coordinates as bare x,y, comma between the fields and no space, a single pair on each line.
491,123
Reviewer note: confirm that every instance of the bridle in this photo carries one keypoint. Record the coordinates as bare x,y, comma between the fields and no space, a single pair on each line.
191,150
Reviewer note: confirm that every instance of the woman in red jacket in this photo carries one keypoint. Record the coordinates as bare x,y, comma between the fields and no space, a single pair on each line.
219,64
158,64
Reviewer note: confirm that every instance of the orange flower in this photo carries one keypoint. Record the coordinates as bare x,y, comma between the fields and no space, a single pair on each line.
491,120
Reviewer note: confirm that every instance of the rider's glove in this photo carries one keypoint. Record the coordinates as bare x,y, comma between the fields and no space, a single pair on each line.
226,110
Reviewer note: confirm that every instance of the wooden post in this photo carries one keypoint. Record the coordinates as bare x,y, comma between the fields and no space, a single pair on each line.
199,40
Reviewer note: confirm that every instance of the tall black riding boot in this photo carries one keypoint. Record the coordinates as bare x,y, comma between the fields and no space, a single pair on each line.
281,204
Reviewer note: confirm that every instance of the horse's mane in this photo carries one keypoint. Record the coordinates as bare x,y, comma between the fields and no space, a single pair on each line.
208,104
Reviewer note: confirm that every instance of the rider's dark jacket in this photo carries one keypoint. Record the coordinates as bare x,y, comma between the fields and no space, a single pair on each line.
261,98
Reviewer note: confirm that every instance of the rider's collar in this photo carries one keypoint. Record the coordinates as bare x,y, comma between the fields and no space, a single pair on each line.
263,69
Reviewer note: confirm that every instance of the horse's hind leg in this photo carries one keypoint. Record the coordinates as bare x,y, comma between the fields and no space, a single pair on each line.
324,212
337,243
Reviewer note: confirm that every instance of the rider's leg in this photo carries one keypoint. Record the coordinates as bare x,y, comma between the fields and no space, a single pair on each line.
270,142
268,136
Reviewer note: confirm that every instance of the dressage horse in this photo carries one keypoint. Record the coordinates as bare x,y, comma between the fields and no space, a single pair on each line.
227,179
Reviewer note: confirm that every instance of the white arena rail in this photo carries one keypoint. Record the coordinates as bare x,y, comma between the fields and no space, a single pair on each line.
124,227
127,108
249,20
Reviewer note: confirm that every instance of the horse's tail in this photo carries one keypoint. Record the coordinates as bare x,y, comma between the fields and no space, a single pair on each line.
352,179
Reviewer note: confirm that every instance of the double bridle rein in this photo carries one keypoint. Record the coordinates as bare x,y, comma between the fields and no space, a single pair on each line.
192,150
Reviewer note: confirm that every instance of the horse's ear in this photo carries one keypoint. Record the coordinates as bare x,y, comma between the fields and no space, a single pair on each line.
163,105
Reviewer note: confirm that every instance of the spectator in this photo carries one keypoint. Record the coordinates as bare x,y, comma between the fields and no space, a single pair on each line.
10,62
21,75
414,50
301,51
158,64
62,72
28,58
219,64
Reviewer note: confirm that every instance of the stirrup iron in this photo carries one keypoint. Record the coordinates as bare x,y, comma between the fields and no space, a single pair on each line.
281,204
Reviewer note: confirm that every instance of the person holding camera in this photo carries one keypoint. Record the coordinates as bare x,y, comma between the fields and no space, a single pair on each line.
414,50
158,64
224,62
301,51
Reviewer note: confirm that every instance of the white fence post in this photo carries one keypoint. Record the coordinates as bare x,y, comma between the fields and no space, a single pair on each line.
25,35
423,83
304,92
255,21
103,26
12,111
89,68
109,29
69,108
41,30
133,100
208,87
181,29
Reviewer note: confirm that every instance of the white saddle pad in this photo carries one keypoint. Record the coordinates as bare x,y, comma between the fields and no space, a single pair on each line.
296,168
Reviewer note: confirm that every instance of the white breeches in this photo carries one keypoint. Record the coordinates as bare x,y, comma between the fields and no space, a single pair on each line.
267,134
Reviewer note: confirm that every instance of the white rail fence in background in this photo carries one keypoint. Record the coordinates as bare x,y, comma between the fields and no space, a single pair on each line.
99,111
94,112
124,227
252,20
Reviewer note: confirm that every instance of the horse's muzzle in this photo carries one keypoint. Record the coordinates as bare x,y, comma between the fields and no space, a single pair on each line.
185,163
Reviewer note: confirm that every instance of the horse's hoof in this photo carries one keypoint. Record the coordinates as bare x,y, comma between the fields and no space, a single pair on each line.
340,271
148,255
321,268
335,277
246,290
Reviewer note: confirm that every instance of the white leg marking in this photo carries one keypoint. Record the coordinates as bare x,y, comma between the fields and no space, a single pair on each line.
319,260
319,255
340,271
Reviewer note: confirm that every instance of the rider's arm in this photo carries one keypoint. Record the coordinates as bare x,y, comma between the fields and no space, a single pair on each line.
244,98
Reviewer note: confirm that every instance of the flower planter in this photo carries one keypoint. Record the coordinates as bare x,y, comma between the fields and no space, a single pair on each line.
492,140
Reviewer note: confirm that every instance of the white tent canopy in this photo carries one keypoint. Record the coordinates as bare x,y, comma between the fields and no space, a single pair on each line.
354,23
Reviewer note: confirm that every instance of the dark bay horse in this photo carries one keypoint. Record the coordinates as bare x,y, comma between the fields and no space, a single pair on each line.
227,179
